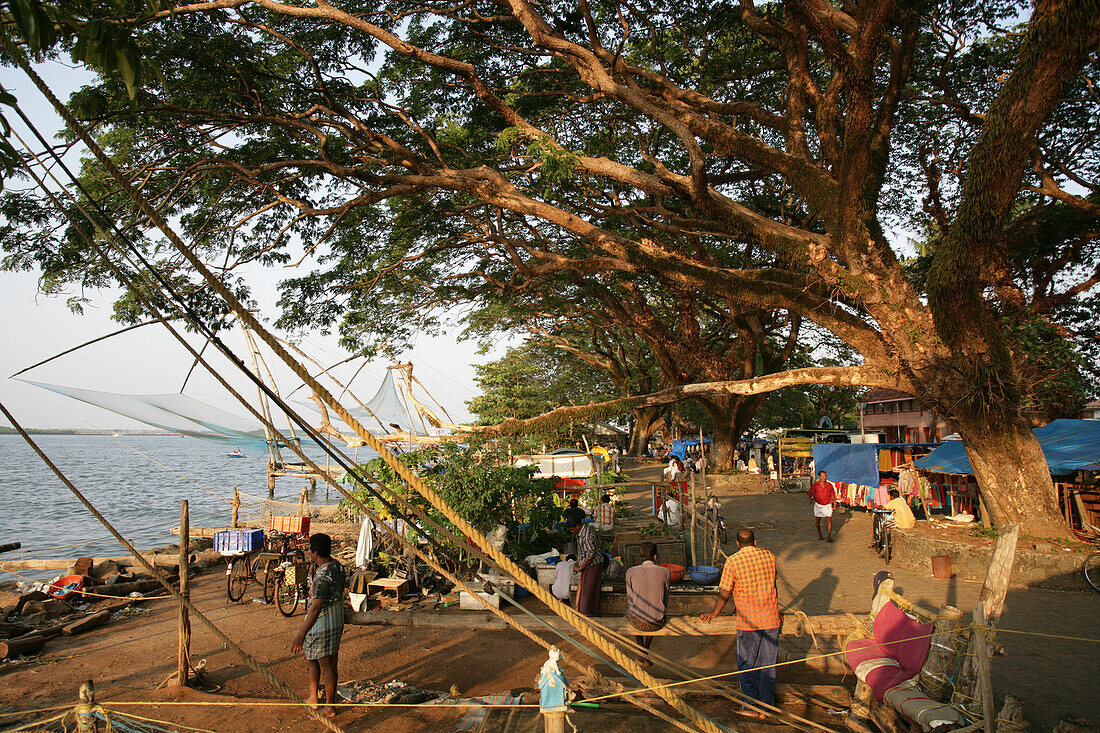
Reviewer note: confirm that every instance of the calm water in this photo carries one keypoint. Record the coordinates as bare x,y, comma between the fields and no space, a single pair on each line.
140,498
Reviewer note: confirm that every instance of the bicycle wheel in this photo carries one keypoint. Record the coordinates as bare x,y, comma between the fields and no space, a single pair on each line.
723,537
238,579
1092,570
269,580
793,486
286,593
887,545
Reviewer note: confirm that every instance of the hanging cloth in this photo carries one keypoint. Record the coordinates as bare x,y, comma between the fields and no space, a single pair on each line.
364,549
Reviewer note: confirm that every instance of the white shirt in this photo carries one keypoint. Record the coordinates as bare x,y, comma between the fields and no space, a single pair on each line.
670,512
563,577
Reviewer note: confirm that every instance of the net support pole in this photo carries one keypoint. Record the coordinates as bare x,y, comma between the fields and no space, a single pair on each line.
183,661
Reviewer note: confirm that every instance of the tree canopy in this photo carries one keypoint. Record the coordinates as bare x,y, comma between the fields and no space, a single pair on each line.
768,156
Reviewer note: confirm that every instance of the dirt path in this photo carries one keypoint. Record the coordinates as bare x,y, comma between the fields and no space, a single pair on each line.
131,656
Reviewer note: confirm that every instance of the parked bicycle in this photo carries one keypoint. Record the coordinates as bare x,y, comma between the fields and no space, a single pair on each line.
790,484
250,567
882,533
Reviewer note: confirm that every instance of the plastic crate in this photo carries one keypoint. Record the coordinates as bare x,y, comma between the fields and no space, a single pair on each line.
290,525
239,540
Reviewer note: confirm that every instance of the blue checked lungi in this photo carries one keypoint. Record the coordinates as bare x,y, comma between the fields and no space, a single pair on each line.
323,640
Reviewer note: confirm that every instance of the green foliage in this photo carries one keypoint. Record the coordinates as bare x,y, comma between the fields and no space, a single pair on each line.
479,485
530,380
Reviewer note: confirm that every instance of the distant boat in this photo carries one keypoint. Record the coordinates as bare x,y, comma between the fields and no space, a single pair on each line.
236,454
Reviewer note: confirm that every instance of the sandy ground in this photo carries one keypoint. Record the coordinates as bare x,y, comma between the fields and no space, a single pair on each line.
128,658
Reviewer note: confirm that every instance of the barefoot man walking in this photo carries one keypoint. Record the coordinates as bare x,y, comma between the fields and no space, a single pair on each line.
823,495
323,625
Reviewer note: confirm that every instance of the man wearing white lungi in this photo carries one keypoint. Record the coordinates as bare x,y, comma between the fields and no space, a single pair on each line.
823,495
323,625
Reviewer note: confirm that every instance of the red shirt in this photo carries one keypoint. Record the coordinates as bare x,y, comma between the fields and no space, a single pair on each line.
823,492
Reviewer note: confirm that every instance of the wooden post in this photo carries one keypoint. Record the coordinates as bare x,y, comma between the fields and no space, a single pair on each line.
234,521
85,715
183,661
694,555
554,722
992,601
981,659
270,481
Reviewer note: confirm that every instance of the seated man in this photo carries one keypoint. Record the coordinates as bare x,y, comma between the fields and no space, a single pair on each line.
605,514
647,598
902,516
573,513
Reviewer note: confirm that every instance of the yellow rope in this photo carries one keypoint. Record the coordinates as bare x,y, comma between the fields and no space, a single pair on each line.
283,703
35,711
36,723
163,722
575,619
1047,636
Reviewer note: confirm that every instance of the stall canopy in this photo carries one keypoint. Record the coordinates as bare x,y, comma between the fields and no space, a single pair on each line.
853,463
1069,445
680,447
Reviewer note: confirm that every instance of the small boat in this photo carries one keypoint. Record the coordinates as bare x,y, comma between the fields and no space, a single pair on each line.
236,454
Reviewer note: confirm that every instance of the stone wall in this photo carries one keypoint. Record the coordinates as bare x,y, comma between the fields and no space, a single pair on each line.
1046,567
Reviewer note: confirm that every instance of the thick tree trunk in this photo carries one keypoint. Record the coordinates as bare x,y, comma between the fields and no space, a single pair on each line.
1014,478
730,416
723,442
645,422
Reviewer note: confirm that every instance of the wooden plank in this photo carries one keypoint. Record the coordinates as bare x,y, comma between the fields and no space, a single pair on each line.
88,623
831,625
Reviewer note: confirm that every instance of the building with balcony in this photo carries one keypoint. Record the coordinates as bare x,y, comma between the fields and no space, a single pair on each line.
902,419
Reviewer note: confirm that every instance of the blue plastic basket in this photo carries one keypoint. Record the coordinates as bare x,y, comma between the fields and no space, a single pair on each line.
704,574
238,540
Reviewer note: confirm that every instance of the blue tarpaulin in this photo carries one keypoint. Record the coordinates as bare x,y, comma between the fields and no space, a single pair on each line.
1069,445
680,447
853,463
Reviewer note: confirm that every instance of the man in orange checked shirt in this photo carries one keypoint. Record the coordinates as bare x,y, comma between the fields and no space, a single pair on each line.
749,576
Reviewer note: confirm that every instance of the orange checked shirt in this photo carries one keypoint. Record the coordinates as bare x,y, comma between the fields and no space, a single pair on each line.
749,577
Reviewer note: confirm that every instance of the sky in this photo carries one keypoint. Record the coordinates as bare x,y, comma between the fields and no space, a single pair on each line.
149,360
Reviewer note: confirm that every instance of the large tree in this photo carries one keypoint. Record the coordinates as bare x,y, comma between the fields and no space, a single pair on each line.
803,129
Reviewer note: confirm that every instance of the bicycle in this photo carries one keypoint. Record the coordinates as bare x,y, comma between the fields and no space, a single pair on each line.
882,533
1091,568
291,585
246,568
289,576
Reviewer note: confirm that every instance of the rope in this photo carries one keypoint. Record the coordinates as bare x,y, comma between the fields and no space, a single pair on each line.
163,722
86,592
156,573
15,713
245,316
217,496
306,459
35,724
